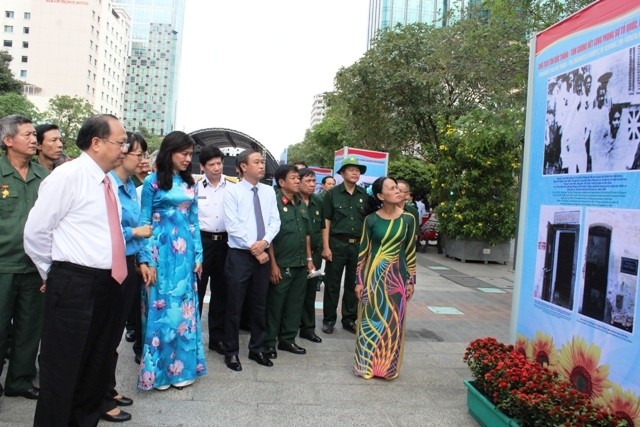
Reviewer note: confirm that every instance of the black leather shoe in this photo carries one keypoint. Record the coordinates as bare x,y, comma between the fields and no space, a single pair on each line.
260,359
270,352
311,336
130,336
349,326
233,363
31,393
137,359
123,401
120,418
327,328
291,348
217,346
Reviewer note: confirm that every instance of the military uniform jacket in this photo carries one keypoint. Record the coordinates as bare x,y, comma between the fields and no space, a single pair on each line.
345,211
17,197
289,245
316,221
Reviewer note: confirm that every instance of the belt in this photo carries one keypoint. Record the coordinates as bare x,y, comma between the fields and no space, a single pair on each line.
81,269
350,240
214,236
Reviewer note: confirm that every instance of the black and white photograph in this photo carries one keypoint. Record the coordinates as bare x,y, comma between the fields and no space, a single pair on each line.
593,117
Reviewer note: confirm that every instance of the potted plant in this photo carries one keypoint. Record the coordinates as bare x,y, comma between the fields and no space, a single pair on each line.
474,184
519,384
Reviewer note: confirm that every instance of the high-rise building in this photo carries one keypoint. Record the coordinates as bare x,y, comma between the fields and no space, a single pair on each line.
153,65
317,110
69,48
388,13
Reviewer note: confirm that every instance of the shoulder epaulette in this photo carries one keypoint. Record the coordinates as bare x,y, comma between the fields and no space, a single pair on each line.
232,179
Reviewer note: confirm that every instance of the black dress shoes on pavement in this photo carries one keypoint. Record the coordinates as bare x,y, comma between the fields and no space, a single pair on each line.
327,328
119,418
123,401
260,358
349,326
270,352
291,348
31,393
130,336
311,336
217,346
233,363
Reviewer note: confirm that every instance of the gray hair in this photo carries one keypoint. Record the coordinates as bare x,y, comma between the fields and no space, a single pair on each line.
9,127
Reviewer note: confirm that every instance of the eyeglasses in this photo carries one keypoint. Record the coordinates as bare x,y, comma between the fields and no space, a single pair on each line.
139,156
124,146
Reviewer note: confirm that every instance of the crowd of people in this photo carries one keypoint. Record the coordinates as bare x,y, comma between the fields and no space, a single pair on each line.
112,241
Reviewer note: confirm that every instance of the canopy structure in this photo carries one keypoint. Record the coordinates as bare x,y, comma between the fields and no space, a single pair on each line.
231,143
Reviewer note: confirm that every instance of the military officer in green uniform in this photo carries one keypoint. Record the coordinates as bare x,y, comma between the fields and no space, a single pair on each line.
21,297
314,209
343,211
290,254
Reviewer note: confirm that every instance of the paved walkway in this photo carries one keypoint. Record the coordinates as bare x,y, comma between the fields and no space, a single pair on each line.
454,303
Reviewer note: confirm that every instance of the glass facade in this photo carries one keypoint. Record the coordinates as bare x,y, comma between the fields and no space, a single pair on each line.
389,13
153,64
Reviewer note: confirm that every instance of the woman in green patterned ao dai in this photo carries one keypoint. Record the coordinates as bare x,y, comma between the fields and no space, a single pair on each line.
386,275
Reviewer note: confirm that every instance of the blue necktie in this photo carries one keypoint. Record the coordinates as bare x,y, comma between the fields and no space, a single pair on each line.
257,210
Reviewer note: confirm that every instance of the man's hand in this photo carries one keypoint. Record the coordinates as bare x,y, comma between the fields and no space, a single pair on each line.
43,287
258,247
326,253
263,258
276,274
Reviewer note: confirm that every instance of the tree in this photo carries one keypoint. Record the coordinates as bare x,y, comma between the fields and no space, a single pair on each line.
153,140
68,113
15,103
7,82
414,171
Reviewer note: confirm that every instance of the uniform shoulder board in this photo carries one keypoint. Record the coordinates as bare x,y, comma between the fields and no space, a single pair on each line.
198,178
232,179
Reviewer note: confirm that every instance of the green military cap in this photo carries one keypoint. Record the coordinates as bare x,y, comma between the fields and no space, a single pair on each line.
352,161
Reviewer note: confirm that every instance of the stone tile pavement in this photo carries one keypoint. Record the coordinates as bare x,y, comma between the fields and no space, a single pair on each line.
454,303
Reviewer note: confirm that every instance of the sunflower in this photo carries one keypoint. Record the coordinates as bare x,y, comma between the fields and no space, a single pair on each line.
521,345
579,365
542,350
624,405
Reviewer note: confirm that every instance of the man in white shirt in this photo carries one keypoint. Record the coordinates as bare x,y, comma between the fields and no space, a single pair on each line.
69,238
252,221
211,189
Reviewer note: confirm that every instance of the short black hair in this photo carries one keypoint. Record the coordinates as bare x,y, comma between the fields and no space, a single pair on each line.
304,172
136,138
42,129
324,180
98,126
283,171
209,152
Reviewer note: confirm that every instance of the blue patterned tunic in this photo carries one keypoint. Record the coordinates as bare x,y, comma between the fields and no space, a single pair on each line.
172,344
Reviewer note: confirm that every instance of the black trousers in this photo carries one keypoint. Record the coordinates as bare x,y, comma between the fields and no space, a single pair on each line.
245,276
214,259
76,347
126,297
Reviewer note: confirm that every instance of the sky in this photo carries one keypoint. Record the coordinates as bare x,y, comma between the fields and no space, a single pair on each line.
255,65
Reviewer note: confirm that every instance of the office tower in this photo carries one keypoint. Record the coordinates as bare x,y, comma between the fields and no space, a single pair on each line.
388,13
153,65
68,48
317,110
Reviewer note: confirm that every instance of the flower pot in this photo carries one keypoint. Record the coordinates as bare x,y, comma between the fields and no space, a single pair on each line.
484,411
476,250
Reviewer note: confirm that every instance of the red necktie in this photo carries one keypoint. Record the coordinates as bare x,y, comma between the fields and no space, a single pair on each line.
118,259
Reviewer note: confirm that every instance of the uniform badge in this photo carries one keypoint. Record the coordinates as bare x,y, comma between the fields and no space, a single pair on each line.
5,191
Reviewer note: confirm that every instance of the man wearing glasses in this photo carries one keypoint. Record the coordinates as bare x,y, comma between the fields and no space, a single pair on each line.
74,238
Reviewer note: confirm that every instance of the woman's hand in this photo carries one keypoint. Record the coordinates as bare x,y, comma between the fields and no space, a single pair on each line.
198,270
359,289
148,274
142,231
410,290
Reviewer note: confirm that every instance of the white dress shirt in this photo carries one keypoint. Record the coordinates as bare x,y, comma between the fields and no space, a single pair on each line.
211,205
69,220
239,217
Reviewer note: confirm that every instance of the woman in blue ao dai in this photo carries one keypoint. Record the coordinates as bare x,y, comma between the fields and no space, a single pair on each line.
172,353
